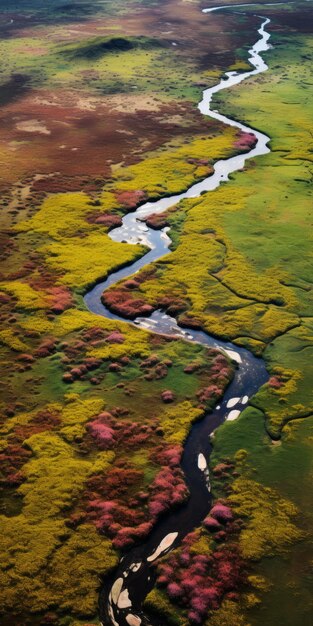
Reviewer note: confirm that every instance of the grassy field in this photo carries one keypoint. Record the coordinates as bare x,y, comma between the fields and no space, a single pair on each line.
260,256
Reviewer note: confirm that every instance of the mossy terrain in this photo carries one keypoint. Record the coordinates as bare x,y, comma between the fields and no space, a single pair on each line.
95,412
256,288
79,455
87,466
83,89
255,222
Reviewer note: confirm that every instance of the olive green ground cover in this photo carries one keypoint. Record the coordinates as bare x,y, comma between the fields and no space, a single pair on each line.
242,265
107,64
255,287
111,61
49,459
51,463
256,291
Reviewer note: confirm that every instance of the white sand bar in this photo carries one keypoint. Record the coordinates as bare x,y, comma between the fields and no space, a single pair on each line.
232,415
116,589
135,567
123,601
165,543
202,464
234,355
232,402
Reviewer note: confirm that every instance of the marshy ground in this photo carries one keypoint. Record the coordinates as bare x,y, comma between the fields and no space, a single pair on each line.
98,113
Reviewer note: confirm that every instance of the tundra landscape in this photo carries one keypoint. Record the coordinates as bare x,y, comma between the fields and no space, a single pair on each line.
156,323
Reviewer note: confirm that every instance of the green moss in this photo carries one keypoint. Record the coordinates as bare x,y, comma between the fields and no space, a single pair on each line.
259,506
175,169
158,602
39,564
229,614
27,298
100,46
176,421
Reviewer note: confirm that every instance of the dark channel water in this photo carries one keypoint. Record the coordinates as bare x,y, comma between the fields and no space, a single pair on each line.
122,594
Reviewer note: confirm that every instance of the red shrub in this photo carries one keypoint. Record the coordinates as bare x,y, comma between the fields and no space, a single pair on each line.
221,512
122,302
275,382
103,434
61,299
115,337
245,141
211,523
167,396
130,199
174,590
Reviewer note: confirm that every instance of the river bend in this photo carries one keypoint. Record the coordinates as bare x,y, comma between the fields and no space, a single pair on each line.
122,594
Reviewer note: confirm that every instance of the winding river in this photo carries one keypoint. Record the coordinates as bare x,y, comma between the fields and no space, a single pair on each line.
122,595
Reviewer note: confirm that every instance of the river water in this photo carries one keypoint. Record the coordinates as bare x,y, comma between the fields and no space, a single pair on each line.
122,594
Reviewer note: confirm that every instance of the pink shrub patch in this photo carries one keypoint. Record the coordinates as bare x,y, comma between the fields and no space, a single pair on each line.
103,433
222,513
46,347
167,396
108,219
61,299
115,337
26,358
199,582
127,536
130,199
170,455
156,221
131,284
122,302
115,367
174,590
168,489
194,617
275,382
245,141
212,392
211,524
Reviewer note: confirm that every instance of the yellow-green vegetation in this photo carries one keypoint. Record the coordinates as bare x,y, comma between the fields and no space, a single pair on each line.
242,267
176,421
40,552
105,65
26,297
39,562
176,168
238,267
76,250
48,458
80,266
271,228
229,614
8,338
65,215
269,518
158,602
278,477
